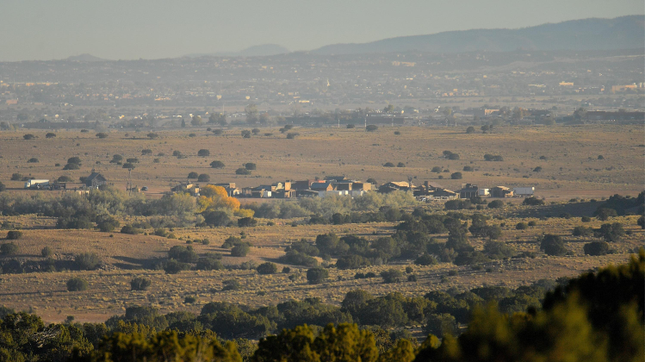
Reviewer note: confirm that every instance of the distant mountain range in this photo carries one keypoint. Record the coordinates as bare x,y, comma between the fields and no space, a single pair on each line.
626,32
254,51
85,58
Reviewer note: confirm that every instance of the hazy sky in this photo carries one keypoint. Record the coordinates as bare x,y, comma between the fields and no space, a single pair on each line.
131,29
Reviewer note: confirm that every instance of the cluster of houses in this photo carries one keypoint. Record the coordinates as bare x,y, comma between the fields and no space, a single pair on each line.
340,186
431,191
470,191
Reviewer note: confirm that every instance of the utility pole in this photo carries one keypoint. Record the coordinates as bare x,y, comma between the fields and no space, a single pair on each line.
129,183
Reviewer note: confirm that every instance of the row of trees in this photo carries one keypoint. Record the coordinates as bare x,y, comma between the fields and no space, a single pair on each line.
596,317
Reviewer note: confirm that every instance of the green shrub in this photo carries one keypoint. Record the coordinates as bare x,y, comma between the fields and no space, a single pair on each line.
605,213
521,226
495,204
352,262
129,229
596,248
8,249
552,245
161,232
173,266
582,231
611,232
184,254
87,261
46,252
107,223
231,284
317,275
426,259
391,275
217,164
14,235
240,250
140,283
532,201
77,285
267,268
247,222
210,262
231,241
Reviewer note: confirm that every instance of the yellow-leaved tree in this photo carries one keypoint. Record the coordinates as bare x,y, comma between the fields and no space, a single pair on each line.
214,198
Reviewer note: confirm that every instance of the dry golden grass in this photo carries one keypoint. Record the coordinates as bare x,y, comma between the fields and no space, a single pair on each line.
572,167
110,293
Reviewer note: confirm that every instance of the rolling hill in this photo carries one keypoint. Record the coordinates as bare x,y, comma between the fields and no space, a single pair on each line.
627,32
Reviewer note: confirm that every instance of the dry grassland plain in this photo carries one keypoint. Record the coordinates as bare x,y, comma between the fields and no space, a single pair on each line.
571,169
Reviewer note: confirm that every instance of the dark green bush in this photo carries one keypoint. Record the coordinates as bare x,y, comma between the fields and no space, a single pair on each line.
231,284
317,275
240,250
495,204
77,284
247,222
129,229
552,245
217,164
173,266
14,235
7,249
140,283
532,201
46,252
391,275
426,259
87,261
596,248
267,268
582,231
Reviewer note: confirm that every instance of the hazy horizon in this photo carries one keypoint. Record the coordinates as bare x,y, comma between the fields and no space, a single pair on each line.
119,29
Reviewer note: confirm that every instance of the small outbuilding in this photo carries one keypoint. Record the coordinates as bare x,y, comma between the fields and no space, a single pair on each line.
501,192
95,180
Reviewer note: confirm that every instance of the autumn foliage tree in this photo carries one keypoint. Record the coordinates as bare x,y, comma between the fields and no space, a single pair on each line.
216,198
